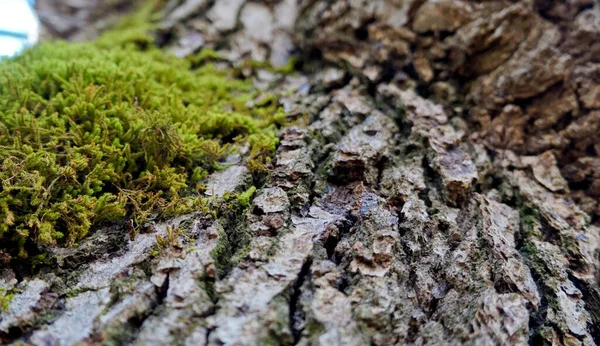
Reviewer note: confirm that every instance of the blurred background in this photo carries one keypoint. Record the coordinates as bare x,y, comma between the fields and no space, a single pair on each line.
19,26
80,19
261,31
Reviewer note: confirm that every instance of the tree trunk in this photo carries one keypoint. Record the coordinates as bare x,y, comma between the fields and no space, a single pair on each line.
440,186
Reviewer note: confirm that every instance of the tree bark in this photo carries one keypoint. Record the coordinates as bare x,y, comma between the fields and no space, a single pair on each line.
440,186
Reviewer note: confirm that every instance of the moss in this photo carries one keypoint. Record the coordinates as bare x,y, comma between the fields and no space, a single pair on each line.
275,244
529,249
244,197
277,331
5,299
19,343
313,328
204,56
529,216
73,292
91,133
222,253
119,335
241,254
135,30
288,68
122,287
37,261
209,287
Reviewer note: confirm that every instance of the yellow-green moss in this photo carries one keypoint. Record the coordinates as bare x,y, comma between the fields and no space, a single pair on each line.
5,299
244,197
93,132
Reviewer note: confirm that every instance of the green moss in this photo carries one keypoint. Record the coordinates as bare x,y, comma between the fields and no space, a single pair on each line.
73,292
234,238
529,216
206,55
93,132
5,299
222,253
209,287
241,254
289,67
277,331
19,343
135,30
529,249
244,197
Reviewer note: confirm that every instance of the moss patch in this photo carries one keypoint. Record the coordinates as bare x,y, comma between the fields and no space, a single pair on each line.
5,299
93,132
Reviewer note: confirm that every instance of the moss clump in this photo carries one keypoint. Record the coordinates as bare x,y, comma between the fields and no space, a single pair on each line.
5,299
244,197
90,133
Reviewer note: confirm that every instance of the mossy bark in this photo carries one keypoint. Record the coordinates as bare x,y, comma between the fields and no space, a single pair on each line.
390,214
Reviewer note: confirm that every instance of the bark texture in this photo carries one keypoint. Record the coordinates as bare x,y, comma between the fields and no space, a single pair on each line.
440,187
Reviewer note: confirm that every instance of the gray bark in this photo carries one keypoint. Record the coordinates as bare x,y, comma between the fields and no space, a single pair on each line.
440,187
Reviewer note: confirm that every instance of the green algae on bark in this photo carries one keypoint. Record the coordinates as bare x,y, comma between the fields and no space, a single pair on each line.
91,133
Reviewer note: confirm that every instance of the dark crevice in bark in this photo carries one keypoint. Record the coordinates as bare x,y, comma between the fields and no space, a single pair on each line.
413,331
162,292
431,309
13,334
432,181
135,323
592,302
381,165
537,317
209,287
237,239
330,245
296,314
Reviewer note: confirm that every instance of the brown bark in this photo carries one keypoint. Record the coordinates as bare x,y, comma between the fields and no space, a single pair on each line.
440,188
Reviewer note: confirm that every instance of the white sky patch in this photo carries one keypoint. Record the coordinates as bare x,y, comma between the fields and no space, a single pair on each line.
17,17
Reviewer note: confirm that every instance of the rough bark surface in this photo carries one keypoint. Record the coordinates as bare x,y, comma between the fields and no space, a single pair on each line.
440,187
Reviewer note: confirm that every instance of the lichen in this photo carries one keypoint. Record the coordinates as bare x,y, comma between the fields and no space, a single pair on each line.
91,133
